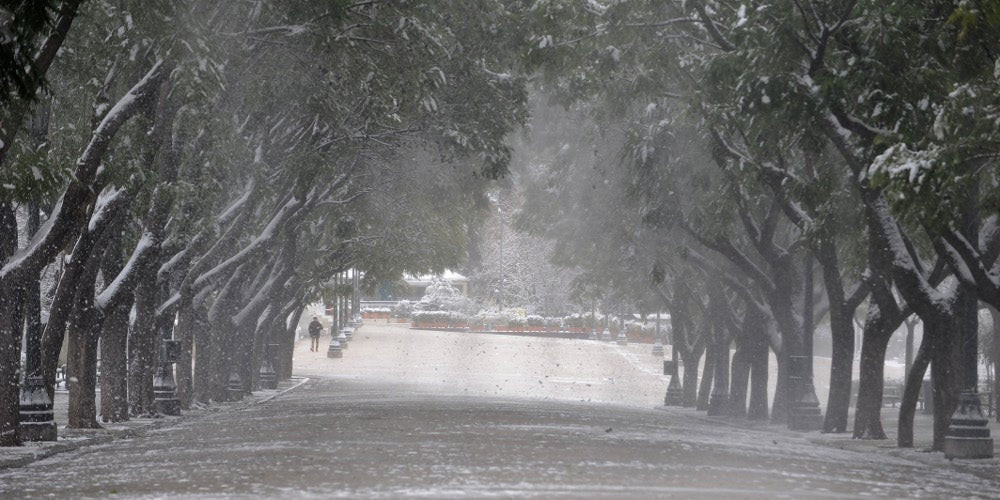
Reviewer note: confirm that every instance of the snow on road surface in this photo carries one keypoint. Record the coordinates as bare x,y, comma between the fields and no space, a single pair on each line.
458,363
434,414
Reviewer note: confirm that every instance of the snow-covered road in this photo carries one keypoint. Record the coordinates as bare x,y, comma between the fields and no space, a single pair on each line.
408,413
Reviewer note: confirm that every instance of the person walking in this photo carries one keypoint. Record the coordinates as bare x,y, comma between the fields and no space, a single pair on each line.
315,329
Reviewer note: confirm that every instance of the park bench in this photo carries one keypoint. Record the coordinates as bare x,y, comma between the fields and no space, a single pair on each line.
892,395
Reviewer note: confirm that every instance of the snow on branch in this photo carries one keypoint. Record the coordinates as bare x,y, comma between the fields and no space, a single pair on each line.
906,273
122,111
64,220
103,206
967,262
237,204
272,227
124,282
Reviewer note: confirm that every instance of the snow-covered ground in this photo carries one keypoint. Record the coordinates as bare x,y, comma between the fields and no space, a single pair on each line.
435,414
507,365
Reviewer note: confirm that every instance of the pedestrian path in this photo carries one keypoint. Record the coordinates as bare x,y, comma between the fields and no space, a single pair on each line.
73,439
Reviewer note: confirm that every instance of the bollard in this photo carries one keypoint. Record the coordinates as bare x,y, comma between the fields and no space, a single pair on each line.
335,350
622,339
342,339
267,378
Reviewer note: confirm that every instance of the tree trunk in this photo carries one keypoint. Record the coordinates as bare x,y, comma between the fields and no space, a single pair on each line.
943,376
184,332
142,350
911,393
287,342
842,334
868,415
690,377
779,408
114,365
707,374
114,338
223,340
758,355
64,223
202,379
911,330
720,381
759,375
84,331
81,369
737,405
841,368
11,323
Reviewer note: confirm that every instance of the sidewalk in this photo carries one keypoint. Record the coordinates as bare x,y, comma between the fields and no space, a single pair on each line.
922,437
72,439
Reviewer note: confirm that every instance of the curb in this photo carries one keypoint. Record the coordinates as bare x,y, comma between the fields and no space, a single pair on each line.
109,435
279,393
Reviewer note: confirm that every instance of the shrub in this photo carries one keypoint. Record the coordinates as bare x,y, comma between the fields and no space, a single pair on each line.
573,320
441,296
402,309
449,317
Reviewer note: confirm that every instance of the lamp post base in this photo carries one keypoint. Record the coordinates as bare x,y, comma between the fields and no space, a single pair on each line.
804,413
968,434
675,395
234,387
165,392
37,420
335,351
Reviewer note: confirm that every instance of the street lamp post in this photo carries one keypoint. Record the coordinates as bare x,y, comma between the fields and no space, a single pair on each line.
37,419
164,386
968,434
804,413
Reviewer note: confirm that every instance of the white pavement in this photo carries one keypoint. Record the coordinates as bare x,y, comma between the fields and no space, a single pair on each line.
467,364
432,414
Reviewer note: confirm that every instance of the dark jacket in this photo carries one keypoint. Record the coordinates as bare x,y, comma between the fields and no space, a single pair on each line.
315,328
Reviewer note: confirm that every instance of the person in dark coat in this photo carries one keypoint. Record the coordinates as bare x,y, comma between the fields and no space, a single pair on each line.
315,329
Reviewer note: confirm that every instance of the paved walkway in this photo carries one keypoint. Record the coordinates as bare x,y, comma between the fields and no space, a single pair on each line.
410,413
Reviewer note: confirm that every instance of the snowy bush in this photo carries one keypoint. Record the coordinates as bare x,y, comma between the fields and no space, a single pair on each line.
441,296
442,317
583,320
402,309
573,320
